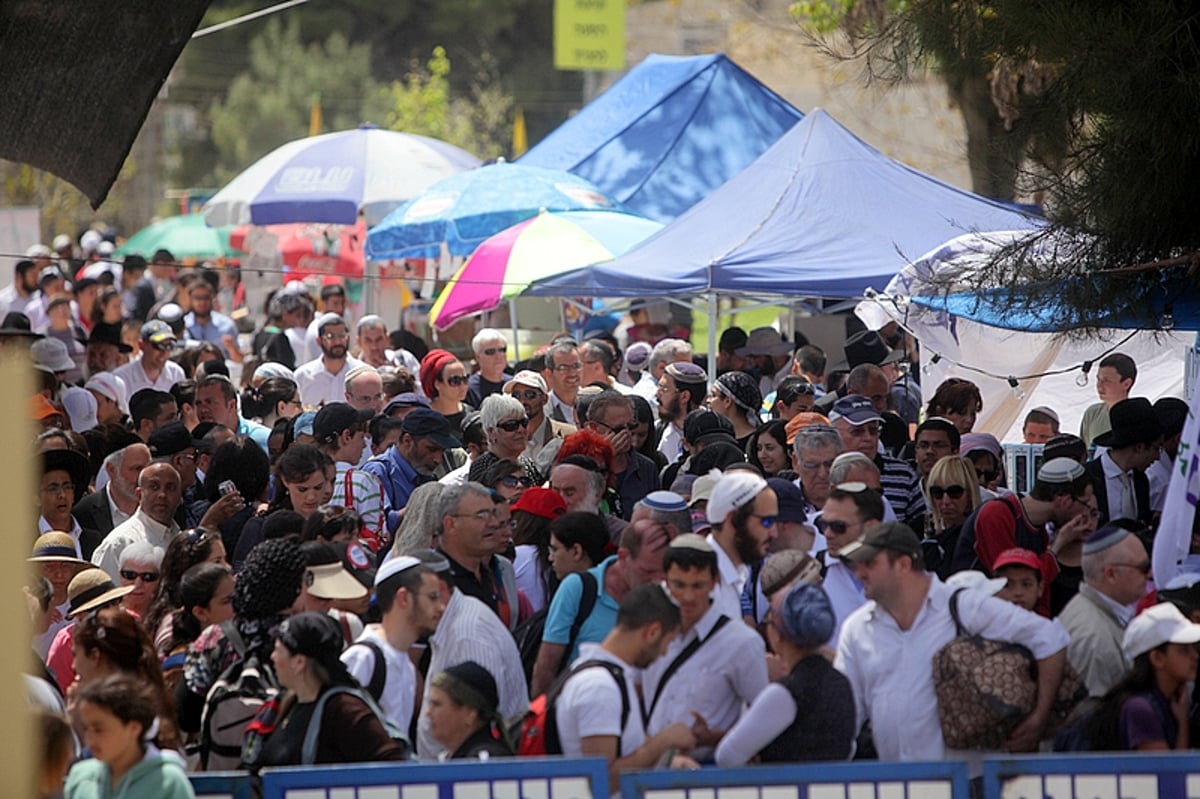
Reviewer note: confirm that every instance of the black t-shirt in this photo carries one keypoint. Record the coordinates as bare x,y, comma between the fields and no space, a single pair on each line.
479,387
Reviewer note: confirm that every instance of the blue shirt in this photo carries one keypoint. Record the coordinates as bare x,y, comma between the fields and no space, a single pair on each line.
218,325
565,605
399,480
255,432
639,479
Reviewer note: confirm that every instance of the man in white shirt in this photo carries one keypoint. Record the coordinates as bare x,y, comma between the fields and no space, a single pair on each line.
410,600
159,494
323,379
681,389
153,369
599,716
16,295
886,646
716,665
373,348
667,351
743,511
469,630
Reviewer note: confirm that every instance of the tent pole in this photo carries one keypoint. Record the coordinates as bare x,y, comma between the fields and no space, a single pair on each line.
516,336
712,336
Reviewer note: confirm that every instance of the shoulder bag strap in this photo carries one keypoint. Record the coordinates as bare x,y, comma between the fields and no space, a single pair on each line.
682,658
959,631
349,484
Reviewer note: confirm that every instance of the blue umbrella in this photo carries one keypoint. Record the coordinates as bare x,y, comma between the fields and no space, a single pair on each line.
467,208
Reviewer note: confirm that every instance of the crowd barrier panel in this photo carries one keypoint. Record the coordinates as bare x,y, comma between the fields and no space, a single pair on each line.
520,778
853,780
1094,776
221,785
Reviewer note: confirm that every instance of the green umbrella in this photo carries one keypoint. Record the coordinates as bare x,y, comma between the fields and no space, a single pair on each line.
185,236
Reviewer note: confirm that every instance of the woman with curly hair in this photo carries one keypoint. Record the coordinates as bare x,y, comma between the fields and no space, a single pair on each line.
957,400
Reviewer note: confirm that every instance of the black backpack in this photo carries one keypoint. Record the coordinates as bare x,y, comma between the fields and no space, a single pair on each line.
378,672
528,634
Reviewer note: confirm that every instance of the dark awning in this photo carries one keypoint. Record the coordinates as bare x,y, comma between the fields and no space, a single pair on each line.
77,80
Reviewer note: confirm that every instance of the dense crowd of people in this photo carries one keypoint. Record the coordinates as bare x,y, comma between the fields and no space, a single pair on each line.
297,537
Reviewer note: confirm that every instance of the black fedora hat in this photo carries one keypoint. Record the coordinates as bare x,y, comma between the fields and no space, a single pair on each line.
106,333
866,346
1133,422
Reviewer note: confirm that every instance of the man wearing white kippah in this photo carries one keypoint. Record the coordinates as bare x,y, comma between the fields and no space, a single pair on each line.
742,510
409,597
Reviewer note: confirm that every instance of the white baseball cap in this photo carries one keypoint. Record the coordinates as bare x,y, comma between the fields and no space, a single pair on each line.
1157,625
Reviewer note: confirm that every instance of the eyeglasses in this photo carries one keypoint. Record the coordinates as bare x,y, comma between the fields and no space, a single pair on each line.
811,466
767,521
482,515
933,445
457,380
527,395
493,350
336,336
58,488
1093,512
954,492
837,526
164,346
568,367
512,425
1143,567
145,577
665,389
514,480
871,428
630,427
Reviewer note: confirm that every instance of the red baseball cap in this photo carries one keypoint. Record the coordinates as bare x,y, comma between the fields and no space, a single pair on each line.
544,502
1018,557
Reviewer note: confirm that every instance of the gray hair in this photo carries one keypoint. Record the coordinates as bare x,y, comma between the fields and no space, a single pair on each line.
563,347
356,373
668,351
681,520
420,519
486,336
452,497
141,552
498,407
816,436
596,483
844,464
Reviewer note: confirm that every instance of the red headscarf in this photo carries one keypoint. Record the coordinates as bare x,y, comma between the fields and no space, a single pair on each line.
431,369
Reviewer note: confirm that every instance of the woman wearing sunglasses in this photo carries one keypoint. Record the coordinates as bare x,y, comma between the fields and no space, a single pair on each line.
444,379
139,566
506,427
952,494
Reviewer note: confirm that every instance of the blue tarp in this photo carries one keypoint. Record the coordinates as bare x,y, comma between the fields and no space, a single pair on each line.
668,133
820,214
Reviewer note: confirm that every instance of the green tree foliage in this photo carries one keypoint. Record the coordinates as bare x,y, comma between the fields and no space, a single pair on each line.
271,104
1104,96
63,208
423,103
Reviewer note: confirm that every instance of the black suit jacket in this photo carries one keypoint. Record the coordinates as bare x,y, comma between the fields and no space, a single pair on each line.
93,513
1141,492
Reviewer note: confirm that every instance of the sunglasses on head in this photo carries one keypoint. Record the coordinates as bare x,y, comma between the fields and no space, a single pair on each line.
512,425
493,350
456,380
954,492
147,577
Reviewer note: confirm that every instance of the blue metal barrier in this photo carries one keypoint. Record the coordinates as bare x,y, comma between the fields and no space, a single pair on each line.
1119,776
858,780
221,785
524,778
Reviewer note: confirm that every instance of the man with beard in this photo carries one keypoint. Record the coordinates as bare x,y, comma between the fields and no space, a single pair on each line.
425,436
593,708
681,390
323,379
545,434
105,351
743,510
159,494
410,601
16,295
217,401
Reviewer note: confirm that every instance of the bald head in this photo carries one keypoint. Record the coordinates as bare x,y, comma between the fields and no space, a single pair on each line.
159,491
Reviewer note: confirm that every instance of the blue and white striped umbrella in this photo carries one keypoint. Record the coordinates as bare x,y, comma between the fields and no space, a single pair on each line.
331,177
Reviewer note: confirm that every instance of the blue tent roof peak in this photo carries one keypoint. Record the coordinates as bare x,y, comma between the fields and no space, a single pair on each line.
669,132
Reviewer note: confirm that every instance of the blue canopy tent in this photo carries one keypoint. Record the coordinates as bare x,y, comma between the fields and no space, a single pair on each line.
668,133
819,214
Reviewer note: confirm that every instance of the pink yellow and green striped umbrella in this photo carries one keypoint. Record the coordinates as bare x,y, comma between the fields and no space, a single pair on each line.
546,245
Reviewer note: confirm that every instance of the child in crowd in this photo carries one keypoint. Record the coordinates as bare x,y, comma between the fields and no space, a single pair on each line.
120,717
1022,569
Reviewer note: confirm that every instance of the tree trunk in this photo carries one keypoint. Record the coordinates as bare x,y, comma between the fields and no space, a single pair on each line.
994,154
